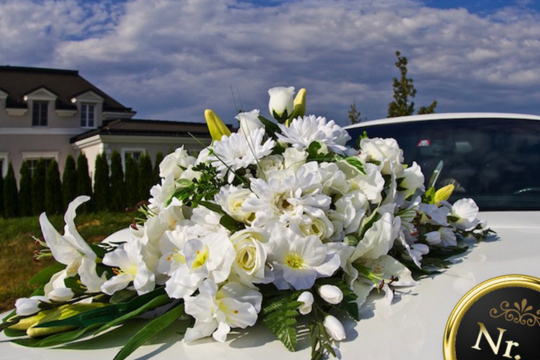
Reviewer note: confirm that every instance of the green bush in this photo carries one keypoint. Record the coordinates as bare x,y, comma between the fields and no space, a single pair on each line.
146,177
132,188
53,190
38,187
84,182
1,194
11,202
25,190
159,159
101,184
69,182
118,190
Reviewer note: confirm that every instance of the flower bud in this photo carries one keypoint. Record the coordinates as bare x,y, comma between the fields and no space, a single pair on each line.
307,298
331,294
334,328
281,103
216,127
443,193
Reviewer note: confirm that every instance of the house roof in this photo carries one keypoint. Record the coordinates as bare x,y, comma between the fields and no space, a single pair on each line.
142,127
65,84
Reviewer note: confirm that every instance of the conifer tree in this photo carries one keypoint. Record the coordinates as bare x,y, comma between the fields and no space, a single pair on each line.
1,193
69,182
101,184
146,176
38,187
159,159
132,187
25,190
53,190
11,202
84,182
118,190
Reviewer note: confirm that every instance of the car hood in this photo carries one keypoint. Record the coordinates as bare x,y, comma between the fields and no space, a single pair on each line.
412,327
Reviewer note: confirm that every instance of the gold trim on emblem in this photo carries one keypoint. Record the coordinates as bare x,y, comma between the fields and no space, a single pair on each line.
450,332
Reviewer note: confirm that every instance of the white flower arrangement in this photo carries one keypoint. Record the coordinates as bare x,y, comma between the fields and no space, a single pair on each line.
270,223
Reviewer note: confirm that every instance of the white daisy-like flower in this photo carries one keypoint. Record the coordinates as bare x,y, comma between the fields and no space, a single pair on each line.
303,131
239,151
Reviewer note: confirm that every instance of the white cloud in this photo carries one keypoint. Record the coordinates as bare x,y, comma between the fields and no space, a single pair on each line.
172,59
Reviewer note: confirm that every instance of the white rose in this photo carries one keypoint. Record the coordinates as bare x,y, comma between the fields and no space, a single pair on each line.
250,262
281,103
174,162
294,158
249,121
385,151
269,163
331,294
307,298
231,198
334,328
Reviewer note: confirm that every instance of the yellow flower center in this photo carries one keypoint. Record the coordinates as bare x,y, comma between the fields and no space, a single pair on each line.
295,261
200,258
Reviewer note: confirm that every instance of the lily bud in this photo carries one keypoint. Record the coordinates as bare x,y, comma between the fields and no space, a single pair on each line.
281,103
331,294
215,125
334,328
443,193
307,298
299,109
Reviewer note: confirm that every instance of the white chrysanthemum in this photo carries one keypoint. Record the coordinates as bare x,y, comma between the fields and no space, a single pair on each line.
239,151
303,131
217,311
298,261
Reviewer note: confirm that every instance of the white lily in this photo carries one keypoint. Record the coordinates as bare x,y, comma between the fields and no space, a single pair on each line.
71,250
217,311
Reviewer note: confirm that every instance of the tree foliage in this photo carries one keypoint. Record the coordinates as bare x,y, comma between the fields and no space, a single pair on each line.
84,182
53,190
132,187
11,202
354,115
146,176
38,187
69,182
1,193
101,184
159,159
118,190
25,190
404,92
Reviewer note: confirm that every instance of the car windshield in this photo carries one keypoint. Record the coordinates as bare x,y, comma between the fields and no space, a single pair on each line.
494,161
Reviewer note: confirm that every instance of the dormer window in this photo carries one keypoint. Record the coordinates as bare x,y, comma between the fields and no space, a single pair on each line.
88,115
40,113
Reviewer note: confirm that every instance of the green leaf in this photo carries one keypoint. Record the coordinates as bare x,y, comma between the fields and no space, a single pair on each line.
14,333
228,222
150,330
356,163
56,339
279,315
153,304
270,127
123,296
348,304
211,206
45,275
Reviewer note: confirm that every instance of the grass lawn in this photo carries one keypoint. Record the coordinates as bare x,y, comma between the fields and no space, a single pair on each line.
17,247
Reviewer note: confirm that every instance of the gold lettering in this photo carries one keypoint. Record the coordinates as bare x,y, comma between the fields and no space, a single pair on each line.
509,345
483,331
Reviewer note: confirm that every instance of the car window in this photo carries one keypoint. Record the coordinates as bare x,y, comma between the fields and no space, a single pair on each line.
494,161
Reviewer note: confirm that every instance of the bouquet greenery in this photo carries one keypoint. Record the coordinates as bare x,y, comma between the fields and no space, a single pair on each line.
273,222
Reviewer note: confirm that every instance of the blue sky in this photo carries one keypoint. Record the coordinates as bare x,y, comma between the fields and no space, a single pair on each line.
171,59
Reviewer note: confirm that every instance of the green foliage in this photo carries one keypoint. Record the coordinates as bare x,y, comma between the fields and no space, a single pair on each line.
84,182
194,191
38,187
25,190
279,314
69,182
146,176
53,190
159,159
101,183
11,202
404,91
353,114
118,191
132,187
1,193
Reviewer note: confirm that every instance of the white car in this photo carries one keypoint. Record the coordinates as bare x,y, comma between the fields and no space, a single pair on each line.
493,158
